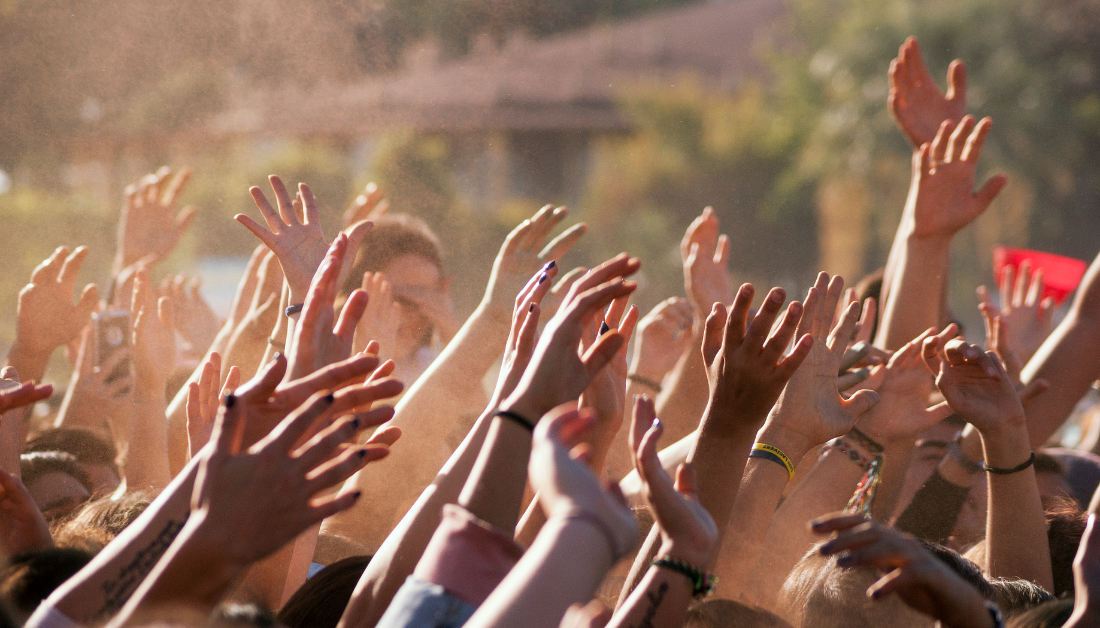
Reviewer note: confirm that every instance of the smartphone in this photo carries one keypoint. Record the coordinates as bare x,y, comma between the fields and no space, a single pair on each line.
113,331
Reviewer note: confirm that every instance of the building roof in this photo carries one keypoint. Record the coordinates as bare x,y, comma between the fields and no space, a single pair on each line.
564,81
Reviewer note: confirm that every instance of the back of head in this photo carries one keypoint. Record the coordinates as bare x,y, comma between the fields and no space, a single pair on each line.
719,613
101,520
86,446
393,236
1015,595
819,594
1047,615
1065,525
320,602
31,577
1082,472
33,466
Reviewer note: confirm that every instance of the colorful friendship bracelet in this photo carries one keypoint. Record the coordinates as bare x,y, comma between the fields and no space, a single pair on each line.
770,452
852,452
702,583
866,441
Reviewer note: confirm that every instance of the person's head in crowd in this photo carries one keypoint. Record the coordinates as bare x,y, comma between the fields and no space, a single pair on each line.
406,251
56,481
96,455
1052,614
31,577
820,594
320,602
99,521
719,613
929,450
1081,472
1016,595
1066,523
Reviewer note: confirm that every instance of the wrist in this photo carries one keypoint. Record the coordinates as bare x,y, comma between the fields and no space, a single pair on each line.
1005,446
685,551
791,443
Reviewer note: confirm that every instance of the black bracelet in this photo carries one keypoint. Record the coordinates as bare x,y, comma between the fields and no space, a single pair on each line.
1016,469
291,310
648,383
508,414
702,583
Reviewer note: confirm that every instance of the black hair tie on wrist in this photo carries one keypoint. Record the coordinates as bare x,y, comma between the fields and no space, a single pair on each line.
291,310
507,414
1016,469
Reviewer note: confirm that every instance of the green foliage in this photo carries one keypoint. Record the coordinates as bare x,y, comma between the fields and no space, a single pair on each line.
178,100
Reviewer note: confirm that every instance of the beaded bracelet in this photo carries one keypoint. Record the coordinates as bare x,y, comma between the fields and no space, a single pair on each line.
852,452
866,441
702,583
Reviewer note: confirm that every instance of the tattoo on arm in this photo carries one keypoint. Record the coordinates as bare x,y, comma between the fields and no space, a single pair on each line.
119,589
654,599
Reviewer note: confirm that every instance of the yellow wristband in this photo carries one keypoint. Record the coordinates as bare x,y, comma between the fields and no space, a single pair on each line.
778,453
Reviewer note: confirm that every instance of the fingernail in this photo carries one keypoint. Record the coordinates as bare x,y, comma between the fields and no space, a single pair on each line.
362,453
543,277
549,265
329,398
656,422
276,356
777,296
844,561
532,308
230,400
355,423
604,328
859,346
357,494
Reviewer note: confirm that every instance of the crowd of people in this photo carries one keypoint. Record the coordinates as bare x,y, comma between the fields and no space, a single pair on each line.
348,452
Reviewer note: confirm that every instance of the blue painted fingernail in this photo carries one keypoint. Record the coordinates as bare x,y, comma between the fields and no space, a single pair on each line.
355,423
329,398
357,494
532,308
604,328
230,400
543,277
550,265
656,422
362,453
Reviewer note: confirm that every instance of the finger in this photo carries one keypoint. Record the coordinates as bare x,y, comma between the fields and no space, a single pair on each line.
1035,290
974,143
990,190
1032,390
386,436
71,267
271,217
299,422
47,271
860,402
838,338
619,266
265,236
956,81
184,219
848,381
175,188
324,444
542,223
958,139
360,398
641,419
559,246
866,325
713,329
602,351
263,384
722,251
356,234
285,203
1023,278
228,426
781,337
738,317
350,315
762,323
324,509
938,151
311,211
837,522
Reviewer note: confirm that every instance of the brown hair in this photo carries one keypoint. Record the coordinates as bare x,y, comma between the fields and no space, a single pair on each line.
393,236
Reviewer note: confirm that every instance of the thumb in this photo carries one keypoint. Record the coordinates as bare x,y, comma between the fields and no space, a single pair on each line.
990,190
860,402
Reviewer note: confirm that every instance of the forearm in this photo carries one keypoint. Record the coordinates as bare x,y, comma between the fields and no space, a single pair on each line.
28,362
916,291
103,586
397,556
895,462
1016,525
1068,360
661,600
684,398
11,440
147,464
535,594
494,490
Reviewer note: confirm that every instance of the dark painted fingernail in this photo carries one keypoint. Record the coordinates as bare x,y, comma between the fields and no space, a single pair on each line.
549,265
275,358
604,328
532,308
230,400
362,453
543,277
329,398
357,494
845,560
355,423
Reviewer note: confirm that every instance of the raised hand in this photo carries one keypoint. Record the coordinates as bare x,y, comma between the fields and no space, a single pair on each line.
203,398
367,206
297,241
974,383
902,411
704,254
150,227
523,252
920,579
251,334
745,366
944,173
23,528
607,392
1017,328
47,317
15,395
688,531
558,371
319,338
810,411
1086,578
917,104
195,319
154,342
523,334
381,318
568,488
664,334
90,399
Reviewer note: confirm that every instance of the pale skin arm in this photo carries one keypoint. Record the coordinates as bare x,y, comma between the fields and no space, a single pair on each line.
427,410
1067,358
